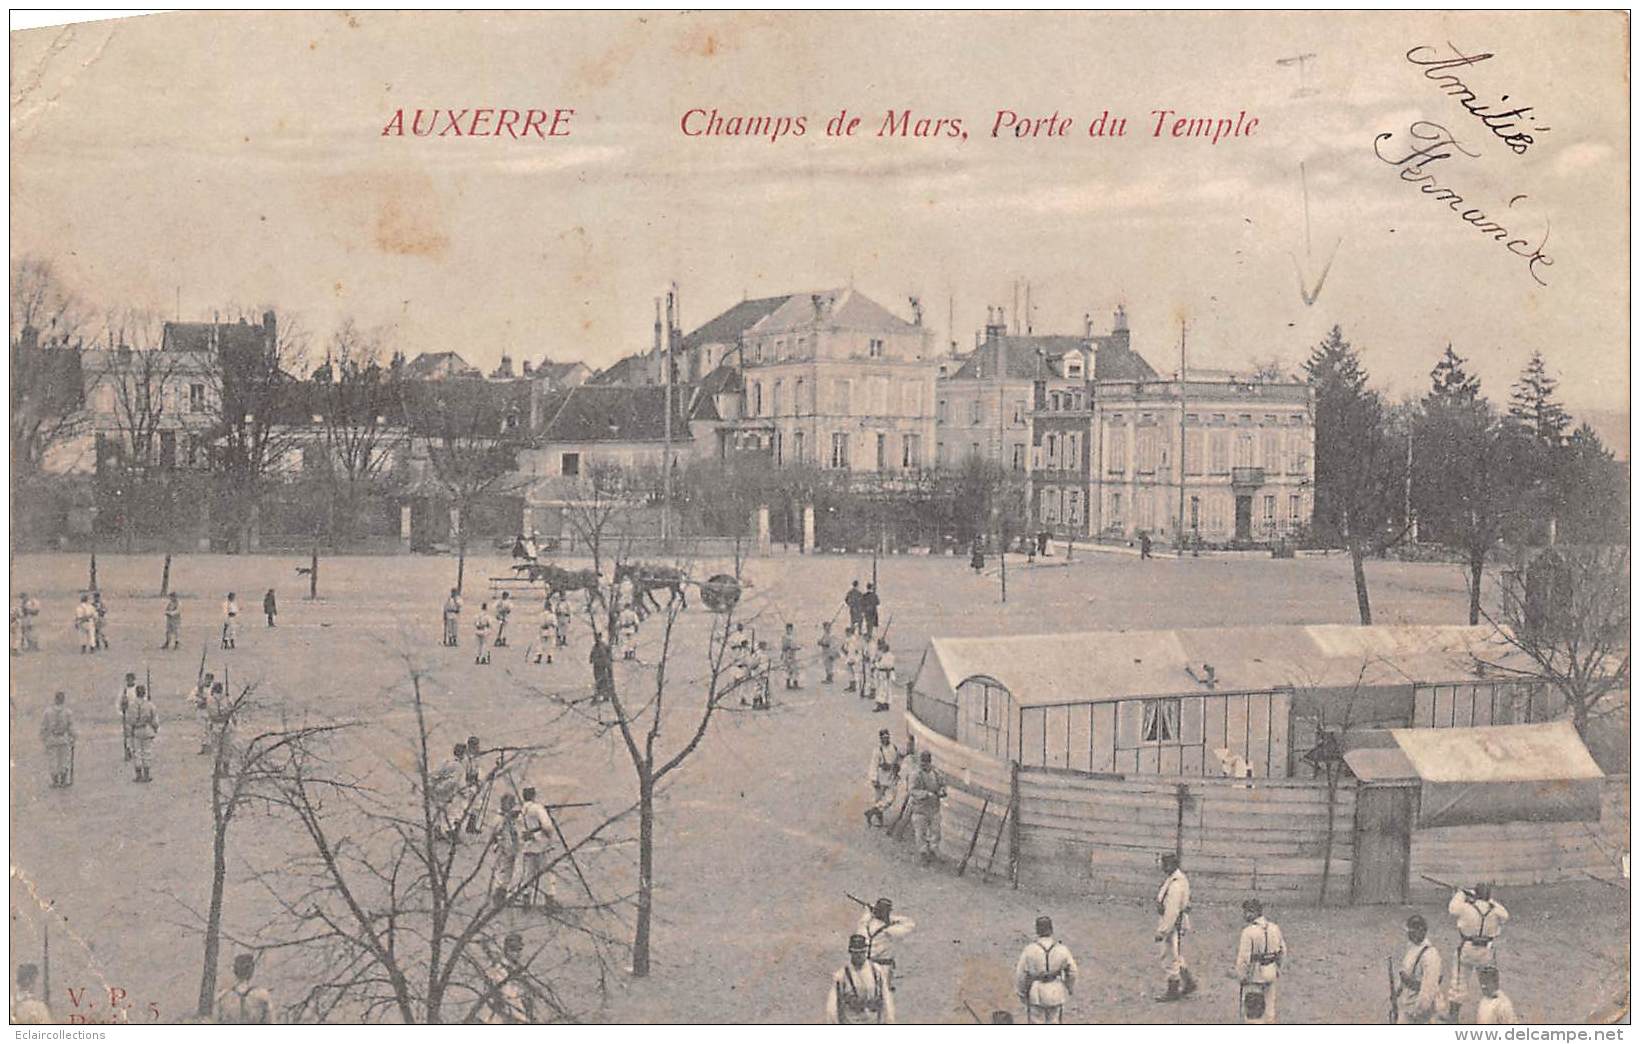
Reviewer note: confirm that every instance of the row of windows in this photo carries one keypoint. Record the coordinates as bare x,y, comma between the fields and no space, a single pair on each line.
1209,452
136,400
189,452
878,396
979,412
1268,420
1210,514
802,347
909,457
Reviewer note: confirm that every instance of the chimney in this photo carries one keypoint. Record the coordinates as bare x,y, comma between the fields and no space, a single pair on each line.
1087,327
996,324
270,330
537,392
656,350
529,368
1119,327
916,311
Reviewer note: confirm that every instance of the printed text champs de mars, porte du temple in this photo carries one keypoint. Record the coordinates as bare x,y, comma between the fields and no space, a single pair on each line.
1430,143
1005,124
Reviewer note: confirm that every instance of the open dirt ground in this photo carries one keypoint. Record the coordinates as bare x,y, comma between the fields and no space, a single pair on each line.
760,835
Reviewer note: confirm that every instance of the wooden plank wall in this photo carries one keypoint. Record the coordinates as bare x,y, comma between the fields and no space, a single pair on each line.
1262,835
971,778
1526,853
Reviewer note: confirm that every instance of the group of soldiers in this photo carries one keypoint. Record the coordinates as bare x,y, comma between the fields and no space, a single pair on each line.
1416,992
492,631
90,622
921,791
522,833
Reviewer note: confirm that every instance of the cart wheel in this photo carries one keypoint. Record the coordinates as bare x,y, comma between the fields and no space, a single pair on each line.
720,593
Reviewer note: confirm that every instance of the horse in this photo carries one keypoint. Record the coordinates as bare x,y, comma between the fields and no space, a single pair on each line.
647,578
559,580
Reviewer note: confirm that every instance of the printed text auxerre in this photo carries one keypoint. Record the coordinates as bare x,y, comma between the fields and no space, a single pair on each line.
479,123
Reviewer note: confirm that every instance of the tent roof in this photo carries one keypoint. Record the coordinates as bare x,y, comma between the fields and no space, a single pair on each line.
1498,753
1099,666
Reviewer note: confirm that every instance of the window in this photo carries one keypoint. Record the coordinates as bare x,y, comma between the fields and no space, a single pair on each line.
882,452
1269,509
975,411
1116,509
1019,413
778,442
875,348
1116,452
1193,452
1019,456
1146,447
569,465
194,452
1297,444
939,412
797,447
757,352
1244,449
1073,456
1270,450
840,389
1221,452
911,455
1050,444
1293,508
757,398
839,449
779,350
1161,724
774,400
797,395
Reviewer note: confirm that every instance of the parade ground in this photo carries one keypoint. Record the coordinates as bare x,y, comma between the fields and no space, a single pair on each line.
760,836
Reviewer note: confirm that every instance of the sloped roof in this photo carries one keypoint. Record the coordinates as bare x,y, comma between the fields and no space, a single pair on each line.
428,363
196,337
617,413
1498,753
981,364
1113,360
846,308
632,370
721,380
1111,665
727,327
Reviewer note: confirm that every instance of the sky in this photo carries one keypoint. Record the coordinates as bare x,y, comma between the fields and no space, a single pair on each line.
231,160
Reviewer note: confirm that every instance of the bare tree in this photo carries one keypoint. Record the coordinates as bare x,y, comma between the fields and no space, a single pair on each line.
1565,620
472,440
47,393
360,405
396,918
141,382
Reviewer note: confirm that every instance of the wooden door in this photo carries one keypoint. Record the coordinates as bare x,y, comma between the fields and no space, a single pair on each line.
1383,844
1244,518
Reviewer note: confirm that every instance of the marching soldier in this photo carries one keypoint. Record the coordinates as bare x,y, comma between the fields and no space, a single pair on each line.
503,610
927,790
508,1002
57,732
128,696
788,658
536,844
220,713
85,624
452,617
1172,925
481,632
445,784
883,669
503,872
201,697
1259,954
243,1004
629,632
173,623
883,775
851,660
1418,979
100,621
859,990
473,779
882,928
828,651
144,727
543,644
1480,920
1495,1008
28,1009
760,677
1045,976
31,621
230,622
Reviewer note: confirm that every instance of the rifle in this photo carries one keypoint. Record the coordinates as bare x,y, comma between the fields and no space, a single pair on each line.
1394,993
1447,885
857,899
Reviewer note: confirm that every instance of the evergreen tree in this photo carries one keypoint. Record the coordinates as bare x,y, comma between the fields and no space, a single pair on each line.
1533,406
1450,382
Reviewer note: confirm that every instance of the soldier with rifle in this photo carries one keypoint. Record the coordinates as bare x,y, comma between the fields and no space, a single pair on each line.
927,791
536,844
1415,986
508,1001
200,694
144,727
474,782
1045,976
1480,920
860,993
128,696
1259,953
883,775
882,927
57,732
1172,925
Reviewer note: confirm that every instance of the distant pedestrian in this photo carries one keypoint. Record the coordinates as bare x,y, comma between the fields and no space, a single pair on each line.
854,600
230,622
173,623
57,733
270,607
1144,544
603,670
1042,542
828,652
976,558
503,610
869,605
100,621
629,632
144,727
1045,976
561,619
481,632
85,624
452,617
788,658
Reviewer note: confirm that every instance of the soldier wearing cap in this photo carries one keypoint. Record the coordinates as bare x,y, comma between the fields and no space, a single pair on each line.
242,1003
1172,925
881,928
1045,976
927,790
57,733
1495,1007
860,994
1259,954
1480,921
537,828
883,775
508,843
508,1002
1418,979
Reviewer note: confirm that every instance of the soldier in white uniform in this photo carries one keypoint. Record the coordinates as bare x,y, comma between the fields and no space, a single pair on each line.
1045,976
128,696
452,617
1480,921
851,660
883,680
445,782
629,633
508,843
243,1004
481,632
200,697
509,1000
859,994
561,618
57,733
230,622
881,928
536,843
1259,954
503,610
883,775
1172,925
144,727
1495,1007
1418,979
85,624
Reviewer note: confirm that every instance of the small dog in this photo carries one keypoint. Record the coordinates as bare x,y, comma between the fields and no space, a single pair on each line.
1233,765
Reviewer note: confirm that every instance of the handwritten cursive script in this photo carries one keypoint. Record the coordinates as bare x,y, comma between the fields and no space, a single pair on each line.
1502,124
1433,144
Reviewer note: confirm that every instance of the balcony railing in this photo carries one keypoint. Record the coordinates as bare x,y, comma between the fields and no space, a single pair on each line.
1247,476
